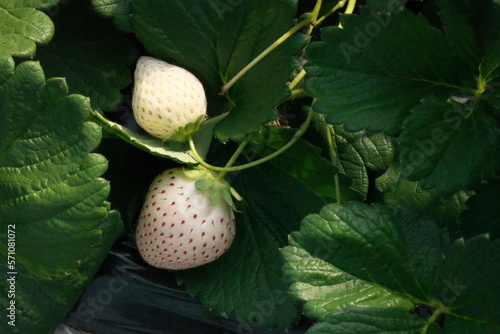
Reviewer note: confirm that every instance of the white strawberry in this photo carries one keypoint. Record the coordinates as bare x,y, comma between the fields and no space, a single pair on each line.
168,101
179,227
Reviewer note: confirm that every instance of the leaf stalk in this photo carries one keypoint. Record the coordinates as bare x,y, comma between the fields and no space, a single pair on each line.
233,158
314,22
339,5
264,53
273,155
334,158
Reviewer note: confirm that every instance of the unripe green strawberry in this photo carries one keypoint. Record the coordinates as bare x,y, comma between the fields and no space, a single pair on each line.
168,101
178,227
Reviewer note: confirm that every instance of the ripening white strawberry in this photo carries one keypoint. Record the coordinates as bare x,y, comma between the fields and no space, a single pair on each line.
168,101
178,227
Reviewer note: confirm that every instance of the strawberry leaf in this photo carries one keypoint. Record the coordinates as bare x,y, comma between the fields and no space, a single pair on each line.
119,10
373,320
459,325
358,152
391,238
373,71
143,141
396,250
389,6
23,26
325,289
467,279
51,191
436,133
483,213
228,36
472,30
90,54
398,191
303,161
378,73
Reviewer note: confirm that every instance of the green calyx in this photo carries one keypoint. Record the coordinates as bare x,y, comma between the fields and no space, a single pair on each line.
184,132
217,188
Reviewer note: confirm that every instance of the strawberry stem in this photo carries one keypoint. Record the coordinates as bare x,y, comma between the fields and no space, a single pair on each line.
298,93
233,158
314,16
333,155
297,79
349,10
314,23
440,309
273,155
264,53
350,6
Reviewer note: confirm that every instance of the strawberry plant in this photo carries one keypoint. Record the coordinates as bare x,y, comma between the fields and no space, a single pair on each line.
360,139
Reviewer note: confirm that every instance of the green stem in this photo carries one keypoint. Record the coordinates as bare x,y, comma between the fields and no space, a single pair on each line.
111,127
314,22
482,84
297,79
314,16
99,119
233,158
439,310
333,157
331,11
350,7
298,93
264,53
273,155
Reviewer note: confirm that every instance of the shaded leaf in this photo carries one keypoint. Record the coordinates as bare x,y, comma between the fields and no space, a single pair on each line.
472,29
376,150
387,5
304,162
483,213
130,173
458,325
373,71
449,146
398,191
119,10
489,68
356,153
90,54
467,280
360,152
